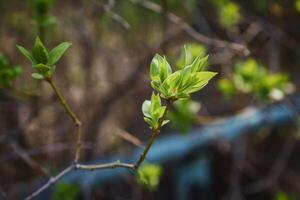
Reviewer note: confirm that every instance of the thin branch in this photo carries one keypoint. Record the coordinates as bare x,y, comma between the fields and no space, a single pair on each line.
28,160
191,31
54,179
3,195
275,171
112,165
50,148
75,165
116,17
50,182
128,137
73,116
155,133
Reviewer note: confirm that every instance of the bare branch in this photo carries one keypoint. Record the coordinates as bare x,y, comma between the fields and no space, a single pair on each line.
128,137
239,48
113,165
27,159
108,9
51,181
73,116
3,194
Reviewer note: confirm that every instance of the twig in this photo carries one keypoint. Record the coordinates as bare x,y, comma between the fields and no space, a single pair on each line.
128,137
108,8
105,166
3,195
191,31
155,133
54,179
116,164
28,160
44,150
73,116
51,181
239,147
275,171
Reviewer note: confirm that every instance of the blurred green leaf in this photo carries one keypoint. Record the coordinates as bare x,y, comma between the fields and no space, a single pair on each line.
229,12
65,191
148,176
250,77
283,196
7,72
184,114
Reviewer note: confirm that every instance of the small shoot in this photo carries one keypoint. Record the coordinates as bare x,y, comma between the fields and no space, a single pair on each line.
43,61
153,111
180,84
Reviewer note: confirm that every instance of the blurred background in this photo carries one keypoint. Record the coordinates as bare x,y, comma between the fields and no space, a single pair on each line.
236,139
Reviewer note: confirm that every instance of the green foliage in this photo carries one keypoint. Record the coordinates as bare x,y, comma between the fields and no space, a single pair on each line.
43,61
176,85
41,9
229,12
7,72
185,111
153,111
297,5
283,196
65,191
250,77
148,176
184,114
180,84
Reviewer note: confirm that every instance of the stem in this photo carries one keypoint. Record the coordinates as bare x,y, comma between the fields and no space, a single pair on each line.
50,182
155,133
73,166
105,166
72,115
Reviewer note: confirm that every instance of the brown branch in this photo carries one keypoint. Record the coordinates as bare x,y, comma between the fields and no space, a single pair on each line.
275,171
50,182
108,9
28,160
191,31
3,195
112,165
130,138
116,164
73,116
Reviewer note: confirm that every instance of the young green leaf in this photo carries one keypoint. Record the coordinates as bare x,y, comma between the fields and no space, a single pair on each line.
153,111
26,53
39,52
200,79
146,108
56,53
160,69
199,64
